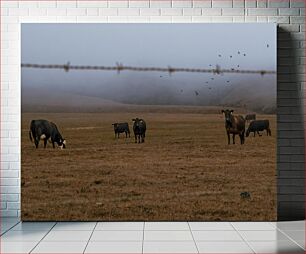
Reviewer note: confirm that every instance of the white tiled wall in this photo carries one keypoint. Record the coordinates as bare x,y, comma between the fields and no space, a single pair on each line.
290,14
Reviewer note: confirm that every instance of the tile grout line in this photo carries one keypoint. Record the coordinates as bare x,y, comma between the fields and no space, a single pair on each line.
42,238
90,237
244,240
193,238
10,228
143,232
291,239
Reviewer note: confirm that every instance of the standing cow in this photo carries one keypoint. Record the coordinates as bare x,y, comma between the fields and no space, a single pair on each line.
120,128
139,128
44,130
257,126
250,117
234,125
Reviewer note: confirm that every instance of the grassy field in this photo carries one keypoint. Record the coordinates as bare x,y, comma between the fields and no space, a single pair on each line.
184,171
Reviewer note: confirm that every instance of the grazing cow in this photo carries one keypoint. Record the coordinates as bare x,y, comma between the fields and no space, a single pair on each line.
250,117
234,125
139,128
120,128
257,126
45,130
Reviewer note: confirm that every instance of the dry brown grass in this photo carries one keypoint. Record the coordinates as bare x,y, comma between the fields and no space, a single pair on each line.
184,171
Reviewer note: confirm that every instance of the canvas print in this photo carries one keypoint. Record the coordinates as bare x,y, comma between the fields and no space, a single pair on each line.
148,122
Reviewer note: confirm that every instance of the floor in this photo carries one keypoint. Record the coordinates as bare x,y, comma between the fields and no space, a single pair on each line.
152,237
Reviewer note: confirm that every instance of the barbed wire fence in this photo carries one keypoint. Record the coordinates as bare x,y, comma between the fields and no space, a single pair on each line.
119,67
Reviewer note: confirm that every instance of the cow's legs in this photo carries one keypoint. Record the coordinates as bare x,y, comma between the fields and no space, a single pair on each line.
259,134
52,143
233,138
45,142
36,141
228,138
142,136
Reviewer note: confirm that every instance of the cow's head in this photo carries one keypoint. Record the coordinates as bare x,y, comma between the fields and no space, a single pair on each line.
61,143
228,116
115,125
137,123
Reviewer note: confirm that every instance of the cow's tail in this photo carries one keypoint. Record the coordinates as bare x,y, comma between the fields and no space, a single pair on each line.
30,135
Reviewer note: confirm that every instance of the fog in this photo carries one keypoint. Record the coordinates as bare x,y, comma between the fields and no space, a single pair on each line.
238,46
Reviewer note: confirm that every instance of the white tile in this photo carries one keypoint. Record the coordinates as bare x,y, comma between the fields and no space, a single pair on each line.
17,247
216,236
168,236
224,247
252,226
166,226
296,235
68,236
169,247
114,247
276,247
63,226
225,226
290,225
33,226
274,235
6,226
119,226
106,236
23,236
60,247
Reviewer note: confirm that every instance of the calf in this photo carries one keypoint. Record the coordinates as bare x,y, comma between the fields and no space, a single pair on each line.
45,130
234,125
257,126
139,128
120,128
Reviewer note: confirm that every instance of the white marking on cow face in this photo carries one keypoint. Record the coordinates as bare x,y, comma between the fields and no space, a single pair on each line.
64,142
43,136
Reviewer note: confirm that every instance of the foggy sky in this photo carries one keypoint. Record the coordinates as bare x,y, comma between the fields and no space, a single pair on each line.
160,45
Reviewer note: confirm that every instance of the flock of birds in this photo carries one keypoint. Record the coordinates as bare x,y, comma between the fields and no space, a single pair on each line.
227,81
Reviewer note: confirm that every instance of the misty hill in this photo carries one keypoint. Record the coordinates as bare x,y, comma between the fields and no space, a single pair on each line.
253,94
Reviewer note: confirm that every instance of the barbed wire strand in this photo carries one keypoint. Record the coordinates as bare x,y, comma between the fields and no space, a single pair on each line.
120,67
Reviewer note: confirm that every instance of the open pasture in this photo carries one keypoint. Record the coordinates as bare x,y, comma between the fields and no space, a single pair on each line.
185,170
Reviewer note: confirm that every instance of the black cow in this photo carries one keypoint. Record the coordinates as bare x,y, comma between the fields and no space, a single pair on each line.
45,130
257,126
250,117
234,125
120,128
139,128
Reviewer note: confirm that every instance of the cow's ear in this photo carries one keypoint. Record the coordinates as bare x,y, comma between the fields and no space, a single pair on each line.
134,119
